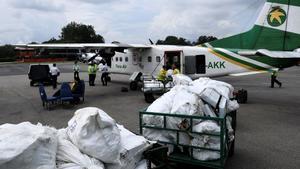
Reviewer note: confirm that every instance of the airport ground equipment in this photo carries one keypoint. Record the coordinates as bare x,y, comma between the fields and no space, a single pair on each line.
135,78
158,154
39,73
152,86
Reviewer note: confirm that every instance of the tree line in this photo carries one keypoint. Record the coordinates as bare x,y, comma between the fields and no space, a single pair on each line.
81,33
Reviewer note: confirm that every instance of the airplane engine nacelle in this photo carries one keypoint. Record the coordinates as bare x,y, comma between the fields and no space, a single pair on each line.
107,55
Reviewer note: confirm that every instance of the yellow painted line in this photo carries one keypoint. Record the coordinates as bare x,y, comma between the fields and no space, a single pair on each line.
232,61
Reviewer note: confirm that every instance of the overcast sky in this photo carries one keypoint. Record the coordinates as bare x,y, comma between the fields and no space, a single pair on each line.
128,21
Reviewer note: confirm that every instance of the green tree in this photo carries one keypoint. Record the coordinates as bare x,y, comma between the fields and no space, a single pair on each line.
79,33
204,39
7,53
53,40
173,40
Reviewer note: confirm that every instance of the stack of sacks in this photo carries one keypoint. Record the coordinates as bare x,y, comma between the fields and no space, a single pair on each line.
96,134
27,146
92,140
202,97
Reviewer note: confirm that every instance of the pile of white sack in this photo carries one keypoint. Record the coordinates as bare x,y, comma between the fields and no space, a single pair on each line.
202,97
92,140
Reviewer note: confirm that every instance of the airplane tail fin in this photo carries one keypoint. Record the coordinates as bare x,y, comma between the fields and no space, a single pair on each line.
277,28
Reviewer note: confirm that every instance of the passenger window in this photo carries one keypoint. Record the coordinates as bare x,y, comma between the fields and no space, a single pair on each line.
126,59
121,59
149,59
157,58
117,59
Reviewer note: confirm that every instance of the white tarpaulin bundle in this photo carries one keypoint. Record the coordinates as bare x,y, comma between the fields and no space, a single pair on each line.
96,134
69,157
200,97
27,146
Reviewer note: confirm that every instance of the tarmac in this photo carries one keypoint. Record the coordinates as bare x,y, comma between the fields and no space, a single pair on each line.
268,126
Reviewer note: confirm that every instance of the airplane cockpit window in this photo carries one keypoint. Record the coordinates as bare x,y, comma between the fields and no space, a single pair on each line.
126,59
157,58
149,59
121,59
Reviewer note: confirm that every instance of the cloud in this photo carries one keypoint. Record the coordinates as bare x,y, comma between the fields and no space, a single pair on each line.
39,5
128,21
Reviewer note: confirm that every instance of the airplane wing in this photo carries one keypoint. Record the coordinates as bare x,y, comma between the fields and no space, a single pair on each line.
85,46
279,54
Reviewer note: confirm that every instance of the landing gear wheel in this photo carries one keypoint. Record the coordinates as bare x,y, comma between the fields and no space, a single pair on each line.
242,96
133,85
149,98
108,78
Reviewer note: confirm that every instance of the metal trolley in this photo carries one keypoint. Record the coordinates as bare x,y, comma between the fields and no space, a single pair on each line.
184,159
152,86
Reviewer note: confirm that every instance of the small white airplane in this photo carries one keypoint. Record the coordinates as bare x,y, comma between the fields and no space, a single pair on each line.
273,43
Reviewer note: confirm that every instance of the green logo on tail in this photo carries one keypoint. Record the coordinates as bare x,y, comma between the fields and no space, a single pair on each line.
276,17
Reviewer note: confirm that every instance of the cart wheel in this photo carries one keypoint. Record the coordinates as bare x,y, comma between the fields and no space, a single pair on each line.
31,83
133,85
149,98
242,96
231,150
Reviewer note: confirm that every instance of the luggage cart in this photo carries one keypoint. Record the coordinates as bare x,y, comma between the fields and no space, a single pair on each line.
158,157
152,86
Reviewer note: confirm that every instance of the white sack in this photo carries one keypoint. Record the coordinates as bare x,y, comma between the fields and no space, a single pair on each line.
232,105
132,149
222,107
142,165
161,105
206,141
210,96
199,85
208,111
181,79
69,156
96,134
27,146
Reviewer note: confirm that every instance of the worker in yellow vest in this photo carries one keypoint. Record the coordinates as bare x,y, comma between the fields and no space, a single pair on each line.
274,79
175,70
92,71
162,74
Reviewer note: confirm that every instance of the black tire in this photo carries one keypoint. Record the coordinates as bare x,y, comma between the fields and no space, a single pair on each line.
149,98
133,85
231,150
108,78
31,83
242,96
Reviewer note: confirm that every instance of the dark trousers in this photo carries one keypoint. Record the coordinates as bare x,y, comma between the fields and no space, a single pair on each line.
54,81
92,78
104,77
76,75
274,80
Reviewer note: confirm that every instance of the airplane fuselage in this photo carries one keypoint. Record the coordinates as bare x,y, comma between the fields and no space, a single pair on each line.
192,61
